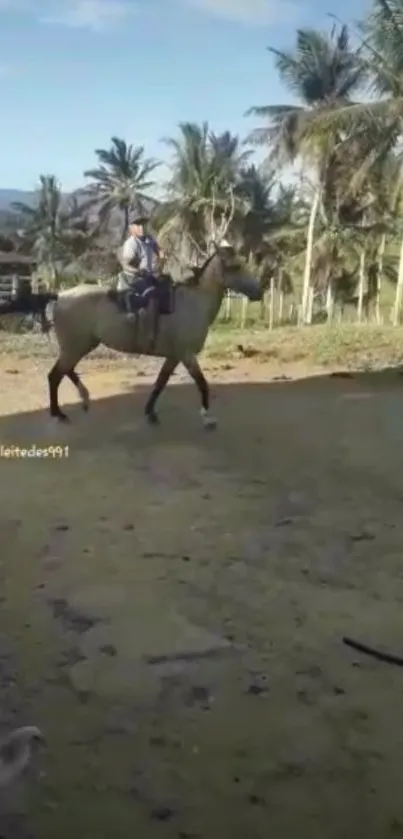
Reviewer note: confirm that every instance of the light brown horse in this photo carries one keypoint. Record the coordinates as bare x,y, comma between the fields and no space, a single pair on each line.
86,316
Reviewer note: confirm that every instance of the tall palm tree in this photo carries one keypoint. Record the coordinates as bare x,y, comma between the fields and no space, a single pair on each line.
204,171
227,159
381,57
382,117
121,179
322,71
255,188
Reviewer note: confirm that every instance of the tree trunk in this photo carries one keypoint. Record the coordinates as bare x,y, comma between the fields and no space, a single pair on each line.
309,314
308,255
280,307
399,289
125,226
361,286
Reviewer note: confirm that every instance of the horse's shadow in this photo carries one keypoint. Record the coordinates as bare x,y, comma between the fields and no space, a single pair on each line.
243,410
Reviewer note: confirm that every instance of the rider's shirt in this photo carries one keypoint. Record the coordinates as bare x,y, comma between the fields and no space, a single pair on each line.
139,254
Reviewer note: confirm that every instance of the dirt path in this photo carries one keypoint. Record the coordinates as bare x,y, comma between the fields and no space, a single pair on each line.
175,603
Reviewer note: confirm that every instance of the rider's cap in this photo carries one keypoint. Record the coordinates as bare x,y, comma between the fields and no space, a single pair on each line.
138,215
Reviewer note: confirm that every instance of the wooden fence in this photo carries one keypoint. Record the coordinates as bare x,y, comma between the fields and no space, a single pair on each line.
8,285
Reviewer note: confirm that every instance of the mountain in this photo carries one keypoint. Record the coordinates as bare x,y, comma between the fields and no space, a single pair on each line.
11,221
7,196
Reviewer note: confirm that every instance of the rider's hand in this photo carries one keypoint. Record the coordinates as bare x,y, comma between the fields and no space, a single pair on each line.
161,261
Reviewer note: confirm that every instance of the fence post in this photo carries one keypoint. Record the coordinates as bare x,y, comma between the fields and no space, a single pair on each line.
271,309
244,311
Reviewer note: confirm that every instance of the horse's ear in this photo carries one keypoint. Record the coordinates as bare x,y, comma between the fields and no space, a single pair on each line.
225,247
225,250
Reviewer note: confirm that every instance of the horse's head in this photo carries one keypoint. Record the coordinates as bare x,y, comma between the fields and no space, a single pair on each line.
232,272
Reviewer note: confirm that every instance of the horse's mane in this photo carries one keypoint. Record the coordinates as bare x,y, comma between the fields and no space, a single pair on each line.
193,280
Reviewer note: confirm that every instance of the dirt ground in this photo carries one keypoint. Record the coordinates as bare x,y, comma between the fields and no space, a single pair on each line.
173,605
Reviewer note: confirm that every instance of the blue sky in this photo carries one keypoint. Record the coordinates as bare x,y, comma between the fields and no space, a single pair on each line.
75,72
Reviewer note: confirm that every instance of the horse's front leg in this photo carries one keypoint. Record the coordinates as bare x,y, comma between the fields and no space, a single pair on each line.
193,367
162,380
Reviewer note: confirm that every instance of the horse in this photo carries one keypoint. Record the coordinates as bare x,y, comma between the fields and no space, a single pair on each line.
86,316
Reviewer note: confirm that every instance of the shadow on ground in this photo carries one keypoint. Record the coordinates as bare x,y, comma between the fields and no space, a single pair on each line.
175,602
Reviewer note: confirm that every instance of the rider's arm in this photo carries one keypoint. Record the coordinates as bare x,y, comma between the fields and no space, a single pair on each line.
157,249
129,254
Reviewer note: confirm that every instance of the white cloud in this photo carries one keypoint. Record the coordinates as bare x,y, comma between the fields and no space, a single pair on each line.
254,12
92,14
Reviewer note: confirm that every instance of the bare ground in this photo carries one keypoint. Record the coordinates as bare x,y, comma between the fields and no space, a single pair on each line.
175,604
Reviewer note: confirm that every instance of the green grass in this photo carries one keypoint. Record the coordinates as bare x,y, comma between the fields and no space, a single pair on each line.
346,345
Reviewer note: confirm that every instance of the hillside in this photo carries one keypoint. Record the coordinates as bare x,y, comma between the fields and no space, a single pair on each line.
7,196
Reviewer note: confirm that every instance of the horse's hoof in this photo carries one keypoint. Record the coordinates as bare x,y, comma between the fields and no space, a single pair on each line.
152,418
209,423
60,417
86,407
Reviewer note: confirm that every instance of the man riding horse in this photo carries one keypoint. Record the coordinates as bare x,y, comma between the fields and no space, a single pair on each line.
141,260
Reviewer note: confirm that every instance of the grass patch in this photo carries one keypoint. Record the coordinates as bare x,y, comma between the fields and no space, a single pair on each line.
364,346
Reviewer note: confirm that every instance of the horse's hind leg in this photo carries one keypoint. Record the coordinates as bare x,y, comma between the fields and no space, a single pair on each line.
55,376
193,367
65,366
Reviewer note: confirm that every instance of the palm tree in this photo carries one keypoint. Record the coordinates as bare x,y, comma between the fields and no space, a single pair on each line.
121,179
322,71
381,118
44,223
381,59
255,187
204,171
55,228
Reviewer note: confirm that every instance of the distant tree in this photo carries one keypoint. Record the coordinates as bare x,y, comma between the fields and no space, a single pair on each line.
54,229
122,178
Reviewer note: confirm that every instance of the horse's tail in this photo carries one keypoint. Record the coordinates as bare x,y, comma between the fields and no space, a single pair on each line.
33,304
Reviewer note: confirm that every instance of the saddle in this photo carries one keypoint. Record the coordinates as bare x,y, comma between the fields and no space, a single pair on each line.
143,291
